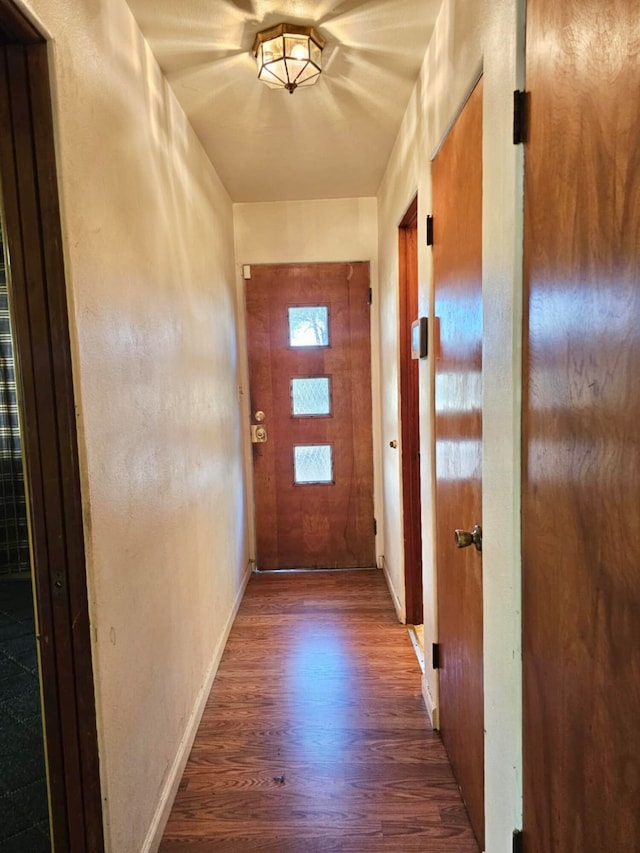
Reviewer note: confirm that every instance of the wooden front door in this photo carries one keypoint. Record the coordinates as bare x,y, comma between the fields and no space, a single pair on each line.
457,261
310,382
581,428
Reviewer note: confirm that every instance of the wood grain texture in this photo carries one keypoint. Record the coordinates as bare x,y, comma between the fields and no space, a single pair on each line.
318,685
311,525
581,416
457,263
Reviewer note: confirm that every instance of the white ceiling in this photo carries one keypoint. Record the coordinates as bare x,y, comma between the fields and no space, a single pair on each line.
330,140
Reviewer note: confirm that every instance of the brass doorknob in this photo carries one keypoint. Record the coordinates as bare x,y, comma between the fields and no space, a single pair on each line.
464,538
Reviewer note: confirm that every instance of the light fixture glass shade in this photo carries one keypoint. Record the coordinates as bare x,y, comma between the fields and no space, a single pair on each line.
288,56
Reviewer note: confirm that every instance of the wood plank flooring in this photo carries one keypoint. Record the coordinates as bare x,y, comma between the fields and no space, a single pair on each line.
315,736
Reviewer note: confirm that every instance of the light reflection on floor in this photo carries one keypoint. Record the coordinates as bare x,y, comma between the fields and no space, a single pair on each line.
320,679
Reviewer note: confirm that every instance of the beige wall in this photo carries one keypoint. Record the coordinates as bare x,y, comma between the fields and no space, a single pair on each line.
311,232
148,242
469,36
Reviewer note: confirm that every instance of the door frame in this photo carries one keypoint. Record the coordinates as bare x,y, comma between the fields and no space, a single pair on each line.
38,298
410,415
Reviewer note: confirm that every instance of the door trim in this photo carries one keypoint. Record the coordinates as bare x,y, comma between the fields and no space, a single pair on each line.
38,297
410,416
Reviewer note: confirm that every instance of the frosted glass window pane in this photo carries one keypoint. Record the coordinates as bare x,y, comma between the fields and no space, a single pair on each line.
313,463
309,326
310,396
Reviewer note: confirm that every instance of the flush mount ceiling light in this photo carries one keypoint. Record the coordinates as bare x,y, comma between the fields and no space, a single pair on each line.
288,56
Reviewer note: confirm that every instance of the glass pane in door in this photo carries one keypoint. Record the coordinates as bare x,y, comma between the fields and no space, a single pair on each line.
310,396
309,326
313,463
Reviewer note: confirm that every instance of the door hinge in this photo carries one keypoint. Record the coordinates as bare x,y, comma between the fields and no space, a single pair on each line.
435,655
375,527
519,116
370,299
518,839
429,230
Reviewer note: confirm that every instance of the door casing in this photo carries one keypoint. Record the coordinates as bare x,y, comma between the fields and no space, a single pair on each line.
410,416
38,299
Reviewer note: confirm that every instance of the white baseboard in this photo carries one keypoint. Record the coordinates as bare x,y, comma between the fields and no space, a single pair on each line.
416,647
402,618
170,788
432,708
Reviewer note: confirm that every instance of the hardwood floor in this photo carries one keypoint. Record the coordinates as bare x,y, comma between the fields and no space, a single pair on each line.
315,736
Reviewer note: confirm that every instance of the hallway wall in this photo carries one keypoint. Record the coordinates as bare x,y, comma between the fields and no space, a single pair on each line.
469,37
148,243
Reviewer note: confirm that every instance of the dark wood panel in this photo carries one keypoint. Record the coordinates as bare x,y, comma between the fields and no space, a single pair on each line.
581,459
410,416
320,685
312,526
457,264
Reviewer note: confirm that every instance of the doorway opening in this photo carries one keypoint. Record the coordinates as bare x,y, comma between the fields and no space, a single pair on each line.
25,810
44,397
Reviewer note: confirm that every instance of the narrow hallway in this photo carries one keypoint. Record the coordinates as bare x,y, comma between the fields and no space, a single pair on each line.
315,736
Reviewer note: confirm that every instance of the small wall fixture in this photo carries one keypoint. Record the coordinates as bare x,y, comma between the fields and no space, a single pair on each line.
288,56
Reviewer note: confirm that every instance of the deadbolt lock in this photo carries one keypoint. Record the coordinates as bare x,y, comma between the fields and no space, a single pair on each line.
258,434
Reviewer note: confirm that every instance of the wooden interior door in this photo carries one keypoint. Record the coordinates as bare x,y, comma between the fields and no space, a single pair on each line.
410,416
310,374
457,262
581,417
